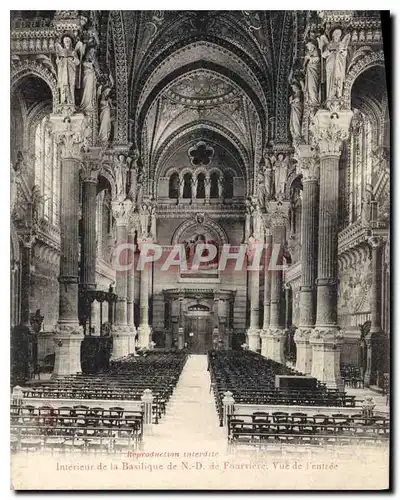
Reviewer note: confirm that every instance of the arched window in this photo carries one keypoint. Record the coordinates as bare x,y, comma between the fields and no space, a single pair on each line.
214,185
201,191
47,171
173,190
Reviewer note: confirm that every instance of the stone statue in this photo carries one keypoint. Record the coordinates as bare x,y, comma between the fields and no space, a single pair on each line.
121,170
335,54
268,178
181,186
262,194
312,66
280,168
194,187
37,203
105,115
139,189
153,221
90,69
144,220
220,187
249,230
36,321
67,62
207,187
296,114
366,205
257,222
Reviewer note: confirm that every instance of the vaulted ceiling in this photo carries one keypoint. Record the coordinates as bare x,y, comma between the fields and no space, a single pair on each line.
220,73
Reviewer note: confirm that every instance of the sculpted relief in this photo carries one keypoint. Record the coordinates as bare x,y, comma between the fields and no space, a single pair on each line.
355,289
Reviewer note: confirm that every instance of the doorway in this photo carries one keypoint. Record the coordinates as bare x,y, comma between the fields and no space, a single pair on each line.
198,334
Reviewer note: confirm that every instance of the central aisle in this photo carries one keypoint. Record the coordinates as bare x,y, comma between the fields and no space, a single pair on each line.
191,421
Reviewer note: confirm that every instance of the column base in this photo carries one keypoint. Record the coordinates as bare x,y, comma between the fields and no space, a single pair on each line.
326,346
253,339
121,339
68,338
303,350
145,333
274,344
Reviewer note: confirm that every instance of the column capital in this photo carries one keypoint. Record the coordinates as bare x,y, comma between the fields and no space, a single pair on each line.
121,211
308,160
278,212
92,163
329,130
375,241
70,134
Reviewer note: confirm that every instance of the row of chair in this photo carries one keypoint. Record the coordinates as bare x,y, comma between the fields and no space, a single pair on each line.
251,380
33,438
300,427
126,379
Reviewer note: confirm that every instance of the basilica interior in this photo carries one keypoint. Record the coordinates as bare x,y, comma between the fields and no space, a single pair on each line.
179,128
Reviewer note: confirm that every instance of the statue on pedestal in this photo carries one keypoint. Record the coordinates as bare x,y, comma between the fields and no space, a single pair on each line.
280,165
67,62
296,115
335,54
312,66
90,69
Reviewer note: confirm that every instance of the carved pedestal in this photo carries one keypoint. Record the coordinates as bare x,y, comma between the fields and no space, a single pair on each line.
303,350
273,344
326,346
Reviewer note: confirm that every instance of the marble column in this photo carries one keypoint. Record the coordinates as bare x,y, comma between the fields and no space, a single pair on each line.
374,339
130,302
89,174
309,165
275,334
253,332
69,133
329,130
144,329
267,292
121,330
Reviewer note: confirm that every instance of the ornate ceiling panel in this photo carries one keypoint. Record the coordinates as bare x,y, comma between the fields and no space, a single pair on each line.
202,88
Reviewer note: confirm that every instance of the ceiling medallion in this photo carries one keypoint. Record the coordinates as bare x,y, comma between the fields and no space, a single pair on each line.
201,154
202,88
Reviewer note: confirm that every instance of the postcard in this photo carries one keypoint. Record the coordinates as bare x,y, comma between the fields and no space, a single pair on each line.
200,250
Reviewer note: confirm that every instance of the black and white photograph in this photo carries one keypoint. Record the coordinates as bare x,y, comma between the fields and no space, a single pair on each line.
200,293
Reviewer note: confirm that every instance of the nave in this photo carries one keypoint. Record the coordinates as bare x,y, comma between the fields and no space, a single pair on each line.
194,413
226,396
